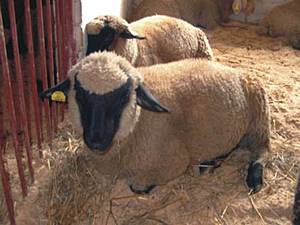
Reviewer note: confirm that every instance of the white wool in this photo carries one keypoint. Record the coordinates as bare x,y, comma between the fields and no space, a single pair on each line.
129,118
100,74
94,26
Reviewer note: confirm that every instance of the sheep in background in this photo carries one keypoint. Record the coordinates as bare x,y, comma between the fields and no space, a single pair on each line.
283,20
214,108
204,13
167,39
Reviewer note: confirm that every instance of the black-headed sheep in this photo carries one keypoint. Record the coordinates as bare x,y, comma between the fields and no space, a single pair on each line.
283,20
167,39
205,13
213,109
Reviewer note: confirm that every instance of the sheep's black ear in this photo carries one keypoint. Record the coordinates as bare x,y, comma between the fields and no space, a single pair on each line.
130,35
147,101
57,93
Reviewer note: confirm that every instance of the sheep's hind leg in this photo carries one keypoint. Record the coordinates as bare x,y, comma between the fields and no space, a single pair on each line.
142,190
255,177
255,174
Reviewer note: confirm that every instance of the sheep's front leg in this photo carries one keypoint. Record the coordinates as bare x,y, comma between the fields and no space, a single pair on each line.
210,165
141,189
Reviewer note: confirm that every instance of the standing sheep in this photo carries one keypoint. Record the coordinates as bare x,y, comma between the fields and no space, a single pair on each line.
205,13
283,20
213,109
167,39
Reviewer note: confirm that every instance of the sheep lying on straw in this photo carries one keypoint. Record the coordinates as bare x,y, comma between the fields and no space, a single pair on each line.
205,13
167,39
283,20
213,110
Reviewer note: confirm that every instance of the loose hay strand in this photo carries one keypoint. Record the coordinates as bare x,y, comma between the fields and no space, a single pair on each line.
256,209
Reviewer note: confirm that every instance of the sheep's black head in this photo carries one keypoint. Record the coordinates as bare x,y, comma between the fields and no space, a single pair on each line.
102,31
104,91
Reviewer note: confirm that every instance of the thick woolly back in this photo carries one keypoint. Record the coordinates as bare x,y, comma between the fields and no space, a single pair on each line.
101,73
167,39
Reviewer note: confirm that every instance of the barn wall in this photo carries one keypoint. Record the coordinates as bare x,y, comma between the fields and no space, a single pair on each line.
261,9
93,8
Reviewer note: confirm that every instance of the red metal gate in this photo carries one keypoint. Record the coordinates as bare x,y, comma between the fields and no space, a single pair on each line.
36,44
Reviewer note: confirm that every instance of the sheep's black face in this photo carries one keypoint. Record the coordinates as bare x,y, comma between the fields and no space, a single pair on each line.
101,41
100,114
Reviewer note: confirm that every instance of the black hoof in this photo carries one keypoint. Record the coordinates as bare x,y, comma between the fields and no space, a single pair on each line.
143,191
255,177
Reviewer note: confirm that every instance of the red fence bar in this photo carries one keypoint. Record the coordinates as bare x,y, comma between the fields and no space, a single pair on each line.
64,34
50,59
56,49
71,30
11,108
6,187
58,40
20,82
60,46
32,69
58,32
3,172
43,66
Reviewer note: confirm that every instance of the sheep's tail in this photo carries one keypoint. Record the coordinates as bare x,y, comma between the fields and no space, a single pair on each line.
204,49
257,139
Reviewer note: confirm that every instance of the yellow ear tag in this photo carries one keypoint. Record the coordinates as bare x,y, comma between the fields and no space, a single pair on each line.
58,96
237,6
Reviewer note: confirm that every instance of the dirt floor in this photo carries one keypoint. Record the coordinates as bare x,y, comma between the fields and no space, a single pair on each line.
76,193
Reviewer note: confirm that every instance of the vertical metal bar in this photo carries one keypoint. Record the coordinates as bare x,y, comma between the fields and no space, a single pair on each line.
3,172
32,71
60,44
43,67
58,31
20,83
72,34
69,29
64,34
10,105
6,187
50,57
55,53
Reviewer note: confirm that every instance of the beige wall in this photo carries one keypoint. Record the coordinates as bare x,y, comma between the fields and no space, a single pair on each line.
93,8
261,9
